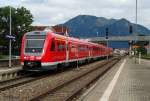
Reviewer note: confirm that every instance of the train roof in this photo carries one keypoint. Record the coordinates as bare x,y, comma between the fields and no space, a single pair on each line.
75,39
63,37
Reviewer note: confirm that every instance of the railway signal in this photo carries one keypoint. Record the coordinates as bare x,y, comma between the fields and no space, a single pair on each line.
107,38
130,29
107,33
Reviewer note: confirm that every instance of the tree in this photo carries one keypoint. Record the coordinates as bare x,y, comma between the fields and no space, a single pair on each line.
21,23
142,49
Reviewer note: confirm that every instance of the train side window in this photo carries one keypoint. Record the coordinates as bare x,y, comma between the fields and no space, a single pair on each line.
53,45
61,46
72,46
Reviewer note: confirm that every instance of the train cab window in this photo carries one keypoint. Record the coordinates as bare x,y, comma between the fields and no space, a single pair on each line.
53,45
82,48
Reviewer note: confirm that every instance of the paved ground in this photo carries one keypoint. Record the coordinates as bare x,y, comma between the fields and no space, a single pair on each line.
4,69
132,84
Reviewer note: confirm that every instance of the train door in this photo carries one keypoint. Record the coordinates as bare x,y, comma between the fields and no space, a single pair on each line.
53,50
77,51
61,51
72,50
89,51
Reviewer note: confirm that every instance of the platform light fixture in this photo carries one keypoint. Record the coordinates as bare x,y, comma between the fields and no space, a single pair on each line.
107,31
135,34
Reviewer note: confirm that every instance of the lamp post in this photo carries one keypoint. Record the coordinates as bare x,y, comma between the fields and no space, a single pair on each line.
107,40
10,39
136,12
135,28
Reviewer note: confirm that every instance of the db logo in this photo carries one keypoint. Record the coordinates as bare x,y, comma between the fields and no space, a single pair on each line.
33,50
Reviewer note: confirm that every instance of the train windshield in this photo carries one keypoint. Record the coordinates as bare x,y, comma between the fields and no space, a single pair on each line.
34,43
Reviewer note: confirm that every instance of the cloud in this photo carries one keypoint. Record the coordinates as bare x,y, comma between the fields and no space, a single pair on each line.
51,12
33,1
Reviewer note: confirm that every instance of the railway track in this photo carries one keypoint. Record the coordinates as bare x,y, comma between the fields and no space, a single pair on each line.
16,82
24,79
68,90
57,87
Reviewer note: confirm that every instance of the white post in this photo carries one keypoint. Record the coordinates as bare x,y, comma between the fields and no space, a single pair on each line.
130,48
77,62
139,57
136,27
77,57
77,47
136,12
10,39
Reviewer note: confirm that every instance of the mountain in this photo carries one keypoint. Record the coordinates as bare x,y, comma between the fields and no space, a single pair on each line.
85,26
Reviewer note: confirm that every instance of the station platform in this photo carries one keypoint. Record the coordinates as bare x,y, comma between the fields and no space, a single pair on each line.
126,81
9,73
7,69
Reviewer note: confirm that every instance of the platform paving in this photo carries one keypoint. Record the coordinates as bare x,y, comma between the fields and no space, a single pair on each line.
7,69
132,84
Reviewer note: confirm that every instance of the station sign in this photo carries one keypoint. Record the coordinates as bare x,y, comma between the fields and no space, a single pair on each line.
11,37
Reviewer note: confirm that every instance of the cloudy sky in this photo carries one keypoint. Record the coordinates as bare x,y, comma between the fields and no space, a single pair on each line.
51,12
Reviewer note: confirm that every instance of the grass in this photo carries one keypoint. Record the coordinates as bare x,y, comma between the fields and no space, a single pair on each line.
3,56
146,56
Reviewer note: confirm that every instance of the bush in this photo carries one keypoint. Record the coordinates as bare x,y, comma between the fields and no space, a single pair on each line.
1,56
142,49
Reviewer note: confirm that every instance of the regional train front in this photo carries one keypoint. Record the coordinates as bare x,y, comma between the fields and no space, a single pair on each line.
32,50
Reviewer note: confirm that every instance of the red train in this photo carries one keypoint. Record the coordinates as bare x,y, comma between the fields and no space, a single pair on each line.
42,50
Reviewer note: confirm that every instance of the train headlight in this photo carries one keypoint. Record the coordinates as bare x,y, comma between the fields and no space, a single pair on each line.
43,51
25,57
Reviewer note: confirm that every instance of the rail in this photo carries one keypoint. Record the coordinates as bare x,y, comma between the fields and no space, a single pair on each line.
69,89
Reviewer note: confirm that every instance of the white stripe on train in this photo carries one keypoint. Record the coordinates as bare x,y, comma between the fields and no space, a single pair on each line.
73,60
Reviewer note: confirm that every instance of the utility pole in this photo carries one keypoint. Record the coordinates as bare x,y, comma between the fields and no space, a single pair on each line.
10,39
136,13
135,28
131,32
62,28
